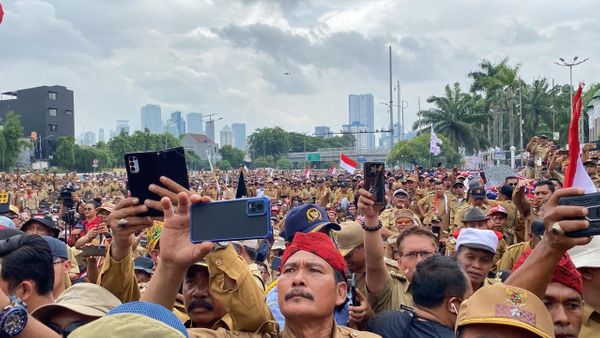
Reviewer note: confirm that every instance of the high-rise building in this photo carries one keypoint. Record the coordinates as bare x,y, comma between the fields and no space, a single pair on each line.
151,118
322,131
122,125
361,111
360,133
46,110
239,135
101,135
210,130
194,123
89,138
226,136
176,124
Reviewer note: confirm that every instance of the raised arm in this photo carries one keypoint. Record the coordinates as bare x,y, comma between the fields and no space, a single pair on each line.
377,274
537,270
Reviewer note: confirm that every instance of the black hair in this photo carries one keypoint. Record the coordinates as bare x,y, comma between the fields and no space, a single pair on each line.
27,257
438,278
510,178
544,182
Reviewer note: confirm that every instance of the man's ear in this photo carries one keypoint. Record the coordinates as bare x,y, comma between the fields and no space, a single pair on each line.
24,290
67,266
341,293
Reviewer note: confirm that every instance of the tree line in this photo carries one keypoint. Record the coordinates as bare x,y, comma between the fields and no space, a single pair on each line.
487,115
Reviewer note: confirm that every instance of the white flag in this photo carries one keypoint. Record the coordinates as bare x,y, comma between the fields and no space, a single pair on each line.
434,143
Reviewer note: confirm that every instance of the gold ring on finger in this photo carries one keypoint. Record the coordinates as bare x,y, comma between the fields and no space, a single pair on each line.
557,229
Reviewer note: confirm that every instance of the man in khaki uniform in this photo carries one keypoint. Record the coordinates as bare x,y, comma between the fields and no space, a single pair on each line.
343,192
414,193
504,199
476,198
271,190
587,260
437,204
400,200
475,250
350,244
513,252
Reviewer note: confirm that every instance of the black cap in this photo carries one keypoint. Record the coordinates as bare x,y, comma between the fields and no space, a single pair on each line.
45,220
477,192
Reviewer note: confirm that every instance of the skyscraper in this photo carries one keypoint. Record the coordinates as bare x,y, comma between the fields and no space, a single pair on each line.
194,123
361,113
239,135
101,135
122,125
226,136
210,130
360,134
322,131
89,138
151,119
178,121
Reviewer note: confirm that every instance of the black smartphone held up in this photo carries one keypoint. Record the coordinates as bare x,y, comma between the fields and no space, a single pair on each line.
352,290
231,220
592,203
93,251
375,180
145,168
275,263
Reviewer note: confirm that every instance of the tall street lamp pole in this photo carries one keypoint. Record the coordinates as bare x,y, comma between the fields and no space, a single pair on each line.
562,62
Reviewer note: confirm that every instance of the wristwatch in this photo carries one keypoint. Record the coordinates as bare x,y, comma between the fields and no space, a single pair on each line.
13,318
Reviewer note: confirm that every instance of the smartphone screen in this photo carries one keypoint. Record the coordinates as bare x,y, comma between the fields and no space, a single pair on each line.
436,229
275,263
146,168
375,180
231,220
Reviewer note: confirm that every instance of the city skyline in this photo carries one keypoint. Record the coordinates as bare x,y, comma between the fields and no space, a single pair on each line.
180,57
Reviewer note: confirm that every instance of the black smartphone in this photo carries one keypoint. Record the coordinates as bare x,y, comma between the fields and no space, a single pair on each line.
592,203
437,230
352,290
375,180
93,251
145,168
231,220
275,263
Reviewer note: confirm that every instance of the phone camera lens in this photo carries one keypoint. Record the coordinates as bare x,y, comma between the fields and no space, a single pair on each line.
260,207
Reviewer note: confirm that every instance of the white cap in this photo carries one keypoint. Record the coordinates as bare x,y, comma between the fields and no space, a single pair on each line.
278,244
586,256
249,243
477,239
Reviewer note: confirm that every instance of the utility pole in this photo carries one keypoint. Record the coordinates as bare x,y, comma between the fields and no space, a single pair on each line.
571,65
419,111
520,115
391,104
399,106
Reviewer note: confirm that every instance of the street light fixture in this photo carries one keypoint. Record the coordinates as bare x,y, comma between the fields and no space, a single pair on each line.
571,65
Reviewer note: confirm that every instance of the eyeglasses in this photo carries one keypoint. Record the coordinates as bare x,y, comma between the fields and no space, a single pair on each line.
58,261
423,254
68,329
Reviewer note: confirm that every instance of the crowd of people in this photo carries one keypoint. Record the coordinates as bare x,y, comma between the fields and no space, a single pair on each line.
449,255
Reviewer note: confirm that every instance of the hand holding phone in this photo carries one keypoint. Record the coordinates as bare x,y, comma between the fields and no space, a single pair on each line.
592,203
374,173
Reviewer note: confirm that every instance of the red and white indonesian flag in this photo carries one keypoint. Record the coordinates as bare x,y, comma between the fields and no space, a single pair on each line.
347,163
307,171
331,170
576,176
1,13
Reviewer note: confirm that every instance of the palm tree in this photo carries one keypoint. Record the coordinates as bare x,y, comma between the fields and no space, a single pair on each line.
508,78
537,107
457,115
484,83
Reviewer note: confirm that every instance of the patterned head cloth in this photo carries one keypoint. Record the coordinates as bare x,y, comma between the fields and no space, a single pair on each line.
566,273
153,235
319,244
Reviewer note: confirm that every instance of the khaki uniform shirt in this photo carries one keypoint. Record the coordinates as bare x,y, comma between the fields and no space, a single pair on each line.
460,214
511,255
395,293
339,332
590,326
340,195
444,207
272,193
511,220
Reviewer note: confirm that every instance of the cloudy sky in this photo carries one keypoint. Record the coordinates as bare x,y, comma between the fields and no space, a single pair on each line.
230,56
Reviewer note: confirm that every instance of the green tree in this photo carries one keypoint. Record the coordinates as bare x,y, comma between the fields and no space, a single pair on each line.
455,115
264,162
272,142
224,165
12,143
537,108
416,152
233,156
283,164
64,155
